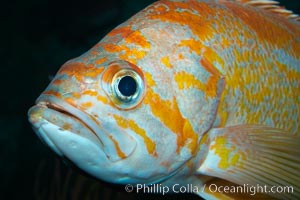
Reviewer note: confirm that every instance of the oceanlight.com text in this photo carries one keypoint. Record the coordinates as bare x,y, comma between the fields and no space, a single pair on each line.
212,188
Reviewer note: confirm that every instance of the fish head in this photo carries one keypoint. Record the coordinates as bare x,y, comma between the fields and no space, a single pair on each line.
101,119
120,112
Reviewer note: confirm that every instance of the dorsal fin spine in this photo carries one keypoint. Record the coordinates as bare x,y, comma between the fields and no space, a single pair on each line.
271,6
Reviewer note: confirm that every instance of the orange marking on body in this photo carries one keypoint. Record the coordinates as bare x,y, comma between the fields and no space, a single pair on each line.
122,31
212,82
72,69
102,99
71,101
168,113
52,92
130,37
149,80
137,38
211,86
192,44
120,153
132,55
190,137
93,71
186,80
180,56
80,70
125,123
112,48
90,92
166,61
100,61
291,74
76,95
211,56
125,53
58,82
86,105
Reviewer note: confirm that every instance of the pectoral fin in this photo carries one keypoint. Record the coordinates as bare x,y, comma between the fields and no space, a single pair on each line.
254,155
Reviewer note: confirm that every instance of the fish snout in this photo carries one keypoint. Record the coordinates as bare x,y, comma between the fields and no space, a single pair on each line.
59,124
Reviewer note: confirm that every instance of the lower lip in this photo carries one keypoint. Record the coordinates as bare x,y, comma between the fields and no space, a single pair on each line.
40,115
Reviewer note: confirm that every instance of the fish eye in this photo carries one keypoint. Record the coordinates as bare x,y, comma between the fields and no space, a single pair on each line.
127,86
124,83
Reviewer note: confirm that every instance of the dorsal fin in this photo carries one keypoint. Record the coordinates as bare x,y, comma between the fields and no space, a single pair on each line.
272,6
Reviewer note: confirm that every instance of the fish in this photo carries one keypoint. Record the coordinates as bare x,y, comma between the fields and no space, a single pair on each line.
199,92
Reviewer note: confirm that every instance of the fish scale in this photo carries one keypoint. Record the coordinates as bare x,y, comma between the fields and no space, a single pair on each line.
215,99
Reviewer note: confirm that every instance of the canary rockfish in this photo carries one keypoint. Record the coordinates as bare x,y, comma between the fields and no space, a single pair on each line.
201,92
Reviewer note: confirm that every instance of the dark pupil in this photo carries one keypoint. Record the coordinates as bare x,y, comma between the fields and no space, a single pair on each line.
127,86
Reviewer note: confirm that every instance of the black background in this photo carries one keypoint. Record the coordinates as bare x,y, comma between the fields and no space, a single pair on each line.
36,38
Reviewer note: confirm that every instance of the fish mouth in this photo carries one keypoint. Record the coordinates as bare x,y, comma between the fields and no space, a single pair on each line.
70,114
52,111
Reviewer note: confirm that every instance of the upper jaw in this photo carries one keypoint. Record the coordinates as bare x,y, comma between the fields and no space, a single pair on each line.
52,110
